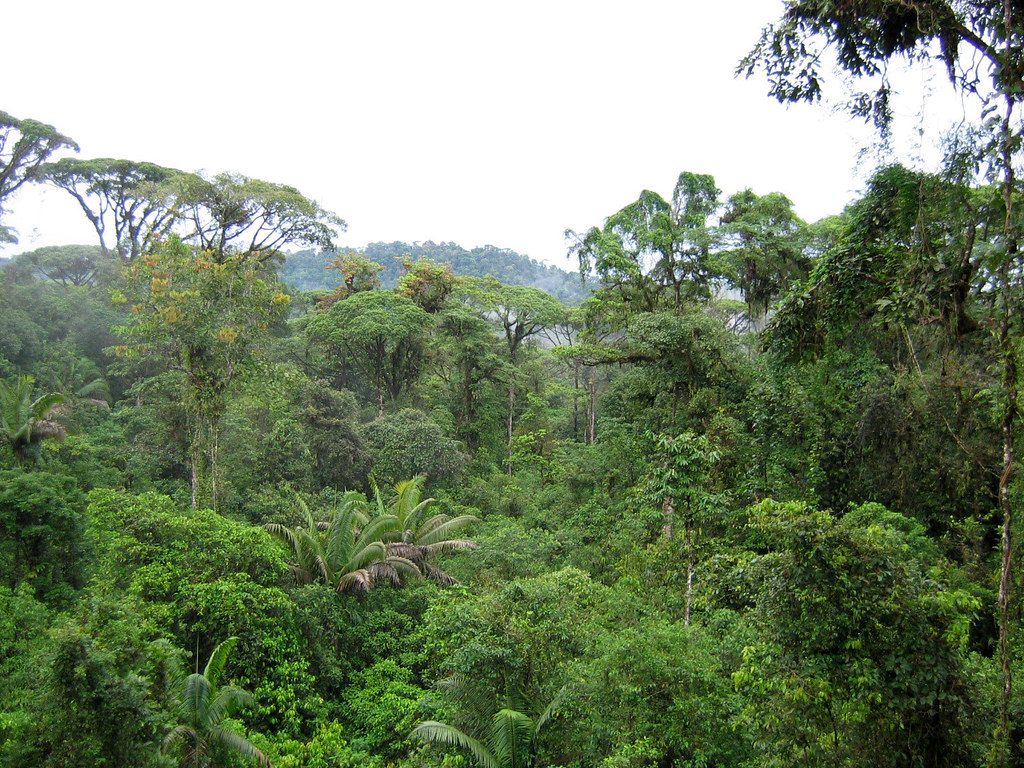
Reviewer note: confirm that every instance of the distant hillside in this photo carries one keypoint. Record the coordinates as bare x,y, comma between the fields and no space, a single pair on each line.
306,270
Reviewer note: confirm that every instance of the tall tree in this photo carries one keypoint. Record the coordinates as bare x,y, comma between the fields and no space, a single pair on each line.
358,273
656,252
380,335
981,46
428,283
76,265
521,313
762,235
24,146
231,213
209,322
677,481
130,204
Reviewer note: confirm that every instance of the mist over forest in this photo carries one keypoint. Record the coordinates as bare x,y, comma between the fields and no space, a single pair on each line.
738,491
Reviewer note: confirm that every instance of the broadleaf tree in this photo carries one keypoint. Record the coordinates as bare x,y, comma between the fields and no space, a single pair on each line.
981,47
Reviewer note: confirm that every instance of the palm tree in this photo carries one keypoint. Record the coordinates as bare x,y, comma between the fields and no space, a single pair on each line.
418,536
203,705
82,384
25,422
346,551
509,742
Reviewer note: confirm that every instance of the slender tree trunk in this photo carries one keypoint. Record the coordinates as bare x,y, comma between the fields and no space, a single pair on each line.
1009,417
1007,425
593,411
1006,558
668,510
215,431
576,401
690,567
511,424
194,472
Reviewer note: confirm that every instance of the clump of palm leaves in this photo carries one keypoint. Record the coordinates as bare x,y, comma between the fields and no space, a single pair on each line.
420,536
358,545
507,739
202,707
25,419
346,550
82,384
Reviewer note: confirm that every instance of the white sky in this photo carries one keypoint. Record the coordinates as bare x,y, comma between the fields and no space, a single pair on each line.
471,121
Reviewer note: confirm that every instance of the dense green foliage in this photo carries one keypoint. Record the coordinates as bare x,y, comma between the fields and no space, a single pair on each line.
750,503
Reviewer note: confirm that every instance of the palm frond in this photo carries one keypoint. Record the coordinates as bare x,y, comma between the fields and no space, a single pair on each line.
283,534
177,735
435,574
229,700
441,527
412,552
549,711
45,405
302,575
511,734
449,545
377,528
219,657
365,557
95,391
45,429
442,733
393,569
321,566
358,580
239,744
378,499
356,503
195,699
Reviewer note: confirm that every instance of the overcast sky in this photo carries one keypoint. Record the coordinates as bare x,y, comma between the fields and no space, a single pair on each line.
471,122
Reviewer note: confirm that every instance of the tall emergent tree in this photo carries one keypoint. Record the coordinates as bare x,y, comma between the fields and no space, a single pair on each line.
522,313
762,235
24,146
235,214
655,253
131,205
981,46
207,320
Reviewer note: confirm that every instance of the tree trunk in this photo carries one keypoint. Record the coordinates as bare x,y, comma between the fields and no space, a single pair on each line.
1009,360
194,473
213,466
668,510
1008,421
593,411
576,400
511,417
690,567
